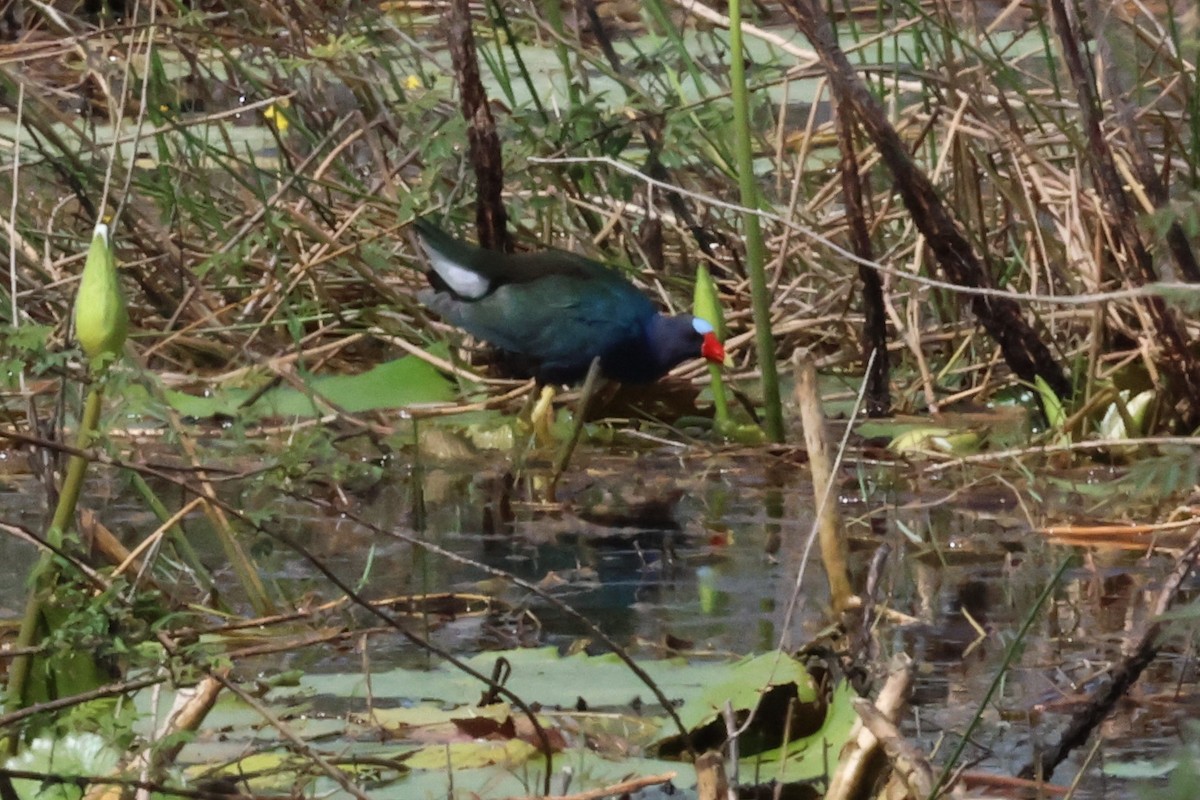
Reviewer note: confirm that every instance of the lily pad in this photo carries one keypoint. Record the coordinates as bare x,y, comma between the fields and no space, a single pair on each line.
809,757
404,382
423,724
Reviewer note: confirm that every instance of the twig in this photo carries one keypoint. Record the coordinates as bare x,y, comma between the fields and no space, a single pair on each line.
856,759
830,529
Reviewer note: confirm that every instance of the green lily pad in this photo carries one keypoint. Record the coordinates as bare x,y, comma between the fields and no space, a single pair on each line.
404,382
745,684
809,757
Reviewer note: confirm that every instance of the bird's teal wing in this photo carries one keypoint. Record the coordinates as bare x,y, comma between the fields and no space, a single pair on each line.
561,321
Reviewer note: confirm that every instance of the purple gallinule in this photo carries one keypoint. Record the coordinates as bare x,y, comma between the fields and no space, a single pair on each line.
557,311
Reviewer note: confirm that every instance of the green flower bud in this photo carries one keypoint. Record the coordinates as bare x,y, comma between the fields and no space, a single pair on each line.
101,321
705,304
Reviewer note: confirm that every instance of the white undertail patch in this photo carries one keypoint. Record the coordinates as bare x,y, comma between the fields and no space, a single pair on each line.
465,282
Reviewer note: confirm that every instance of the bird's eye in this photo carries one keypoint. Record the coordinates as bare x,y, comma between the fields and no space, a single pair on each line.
701,326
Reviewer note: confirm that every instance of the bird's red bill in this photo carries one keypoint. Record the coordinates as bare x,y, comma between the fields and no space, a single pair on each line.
712,350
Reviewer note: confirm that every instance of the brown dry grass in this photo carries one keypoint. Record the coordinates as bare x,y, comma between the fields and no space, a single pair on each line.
247,252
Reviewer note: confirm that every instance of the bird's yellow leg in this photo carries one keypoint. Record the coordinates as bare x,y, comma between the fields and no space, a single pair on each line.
542,417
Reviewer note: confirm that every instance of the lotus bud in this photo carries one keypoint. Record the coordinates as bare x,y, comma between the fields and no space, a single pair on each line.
707,307
705,304
101,321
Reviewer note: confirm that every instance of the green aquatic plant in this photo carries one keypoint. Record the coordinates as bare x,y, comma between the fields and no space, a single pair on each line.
102,323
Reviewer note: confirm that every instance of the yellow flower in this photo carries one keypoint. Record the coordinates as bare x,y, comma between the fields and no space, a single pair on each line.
275,115
412,82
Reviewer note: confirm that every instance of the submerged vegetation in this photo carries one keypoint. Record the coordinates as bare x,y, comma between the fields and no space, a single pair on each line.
972,211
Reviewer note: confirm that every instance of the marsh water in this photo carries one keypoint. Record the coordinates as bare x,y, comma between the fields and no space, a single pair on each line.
673,549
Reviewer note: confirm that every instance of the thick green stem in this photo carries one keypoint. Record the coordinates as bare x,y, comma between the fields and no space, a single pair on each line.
47,575
68,497
755,250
